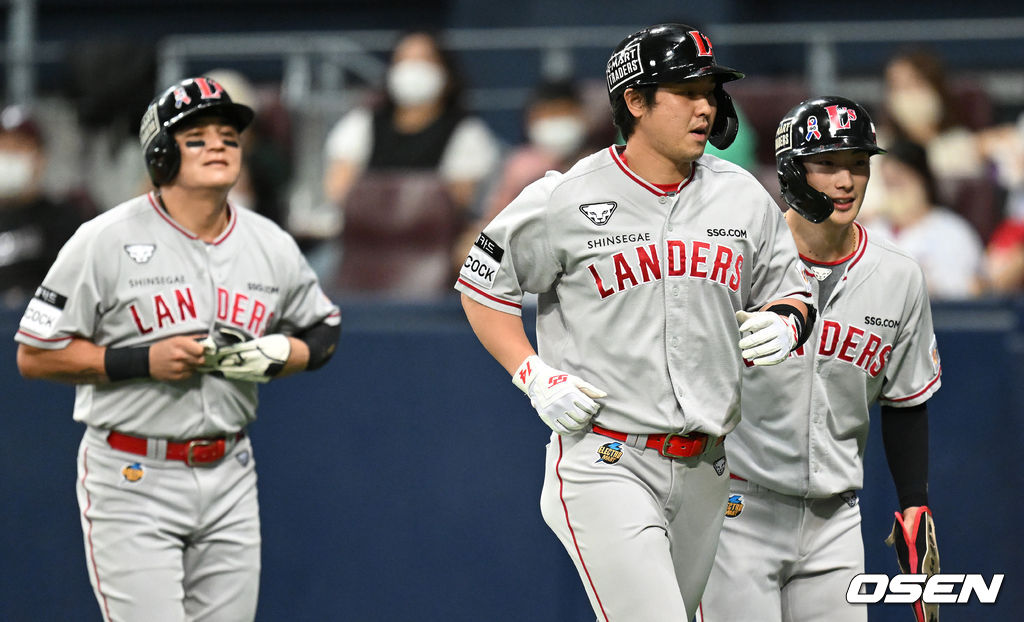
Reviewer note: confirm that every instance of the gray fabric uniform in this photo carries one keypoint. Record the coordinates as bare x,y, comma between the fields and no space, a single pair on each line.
801,442
637,292
134,276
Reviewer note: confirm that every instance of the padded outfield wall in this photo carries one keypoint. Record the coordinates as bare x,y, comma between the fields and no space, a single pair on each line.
401,482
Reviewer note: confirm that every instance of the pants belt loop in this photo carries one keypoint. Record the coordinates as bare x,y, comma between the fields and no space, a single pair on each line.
156,448
637,441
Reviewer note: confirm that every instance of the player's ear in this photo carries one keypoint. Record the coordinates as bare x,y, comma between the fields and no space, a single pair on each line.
635,101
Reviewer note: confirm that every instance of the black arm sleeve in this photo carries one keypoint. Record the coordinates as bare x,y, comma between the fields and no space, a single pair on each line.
321,339
905,436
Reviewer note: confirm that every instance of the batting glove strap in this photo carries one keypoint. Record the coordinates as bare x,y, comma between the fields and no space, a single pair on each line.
772,336
257,360
564,402
917,552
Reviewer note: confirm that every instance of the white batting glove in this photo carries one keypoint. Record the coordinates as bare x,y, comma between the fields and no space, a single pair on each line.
771,337
563,401
258,360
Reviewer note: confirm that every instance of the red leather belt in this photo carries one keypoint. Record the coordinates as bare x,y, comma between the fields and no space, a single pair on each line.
193,452
670,445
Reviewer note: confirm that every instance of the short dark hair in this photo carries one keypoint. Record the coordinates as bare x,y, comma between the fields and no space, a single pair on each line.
622,117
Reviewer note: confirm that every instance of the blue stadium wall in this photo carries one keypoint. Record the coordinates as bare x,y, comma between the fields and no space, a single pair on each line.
401,482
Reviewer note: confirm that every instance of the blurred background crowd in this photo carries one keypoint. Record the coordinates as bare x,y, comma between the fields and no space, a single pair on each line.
384,145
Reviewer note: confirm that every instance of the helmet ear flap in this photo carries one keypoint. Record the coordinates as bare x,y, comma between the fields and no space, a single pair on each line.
163,158
813,205
727,123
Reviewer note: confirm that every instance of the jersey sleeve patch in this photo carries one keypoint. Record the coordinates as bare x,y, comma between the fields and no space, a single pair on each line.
483,262
43,313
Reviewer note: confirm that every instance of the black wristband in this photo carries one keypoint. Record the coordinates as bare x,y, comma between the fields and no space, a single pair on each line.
803,328
126,363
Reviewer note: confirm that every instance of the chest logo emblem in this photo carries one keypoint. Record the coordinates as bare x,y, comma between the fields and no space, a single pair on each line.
140,253
821,273
599,213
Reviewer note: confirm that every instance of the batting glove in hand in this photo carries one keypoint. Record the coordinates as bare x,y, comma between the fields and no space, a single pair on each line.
258,360
917,552
771,339
563,401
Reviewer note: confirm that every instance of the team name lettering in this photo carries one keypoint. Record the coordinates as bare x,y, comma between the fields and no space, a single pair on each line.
852,345
694,259
242,311
164,310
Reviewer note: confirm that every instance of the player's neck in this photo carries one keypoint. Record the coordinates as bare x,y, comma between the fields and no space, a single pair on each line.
203,212
825,242
654,167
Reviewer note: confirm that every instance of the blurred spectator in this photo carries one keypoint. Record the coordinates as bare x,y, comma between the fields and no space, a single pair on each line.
33,227
110,82
920,107
1003,146
555,124
267,165
420,124
1004,259
943,243
557,129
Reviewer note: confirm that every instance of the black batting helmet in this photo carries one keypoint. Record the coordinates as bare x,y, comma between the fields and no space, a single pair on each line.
673,53
816,126
178,103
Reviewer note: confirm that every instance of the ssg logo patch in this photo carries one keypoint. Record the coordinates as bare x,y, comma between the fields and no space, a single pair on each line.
609,453
133,472
734,506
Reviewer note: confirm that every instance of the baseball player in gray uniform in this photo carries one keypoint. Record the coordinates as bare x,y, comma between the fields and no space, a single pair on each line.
641,257
791,543
166,312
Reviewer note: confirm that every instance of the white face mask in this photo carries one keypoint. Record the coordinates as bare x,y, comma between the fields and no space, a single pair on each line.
562,135
412,82
916,108
16,170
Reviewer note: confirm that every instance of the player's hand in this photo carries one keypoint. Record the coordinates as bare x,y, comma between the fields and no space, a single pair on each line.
175,358
917,552
257,360
771,337
563,401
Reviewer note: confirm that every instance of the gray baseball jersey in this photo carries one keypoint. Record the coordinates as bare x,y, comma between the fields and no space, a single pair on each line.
638,287
801,443
133,276
165,540
805,422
